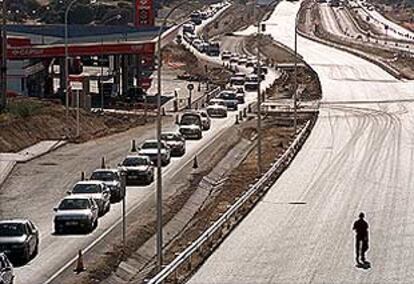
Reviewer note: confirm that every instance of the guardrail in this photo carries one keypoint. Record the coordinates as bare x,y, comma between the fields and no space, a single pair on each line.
261,185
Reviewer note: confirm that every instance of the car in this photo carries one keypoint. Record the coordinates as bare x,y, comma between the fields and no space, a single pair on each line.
150,149
112,179
176,142
234,58
197,43
19,239
139,169
196,18
6,270
213,49
203,47
76,212
217,108
188,28
205,119
225,55
243,60
237,80
252,82
263,71
240,95
96,190
229,98
191,125
251,61
189,37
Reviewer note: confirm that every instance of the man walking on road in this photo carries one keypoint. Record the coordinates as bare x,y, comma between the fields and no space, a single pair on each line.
361,237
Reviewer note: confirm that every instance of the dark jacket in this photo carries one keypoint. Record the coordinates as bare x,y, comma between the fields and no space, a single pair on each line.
361,228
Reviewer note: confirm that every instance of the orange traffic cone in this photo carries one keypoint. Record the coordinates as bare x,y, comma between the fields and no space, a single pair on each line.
79,263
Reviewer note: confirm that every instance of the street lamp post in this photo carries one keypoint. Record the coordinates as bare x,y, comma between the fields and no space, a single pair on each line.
159,166
259,103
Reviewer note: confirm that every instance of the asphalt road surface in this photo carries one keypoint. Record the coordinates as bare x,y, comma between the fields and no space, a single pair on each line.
359,157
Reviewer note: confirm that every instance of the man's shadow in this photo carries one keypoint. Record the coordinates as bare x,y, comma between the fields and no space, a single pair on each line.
364,265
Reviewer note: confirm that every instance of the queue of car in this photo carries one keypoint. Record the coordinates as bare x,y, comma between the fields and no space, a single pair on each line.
250,82
210,48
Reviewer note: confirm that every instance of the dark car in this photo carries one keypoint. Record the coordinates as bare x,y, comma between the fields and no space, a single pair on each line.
19,239
240,95
230,99
112,179
176,142
6,270
139,169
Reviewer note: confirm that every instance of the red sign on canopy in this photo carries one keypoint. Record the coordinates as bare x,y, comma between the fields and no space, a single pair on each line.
144,13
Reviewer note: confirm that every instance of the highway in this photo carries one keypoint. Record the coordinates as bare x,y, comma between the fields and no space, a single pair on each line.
359,157
340,22
396,30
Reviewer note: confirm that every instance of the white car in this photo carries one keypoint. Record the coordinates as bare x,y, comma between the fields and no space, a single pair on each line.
139,169
217,108
96,190
76,212
205,119
150,149
191,125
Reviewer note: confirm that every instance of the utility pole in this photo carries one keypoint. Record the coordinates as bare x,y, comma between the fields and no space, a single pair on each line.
295,114
259,96
3,64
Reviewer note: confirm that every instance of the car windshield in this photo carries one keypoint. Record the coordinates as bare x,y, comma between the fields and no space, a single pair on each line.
11,230
189,120
170,137
151,145
103,176
87,188
228,96
74,204
221,103
134,162
252,79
